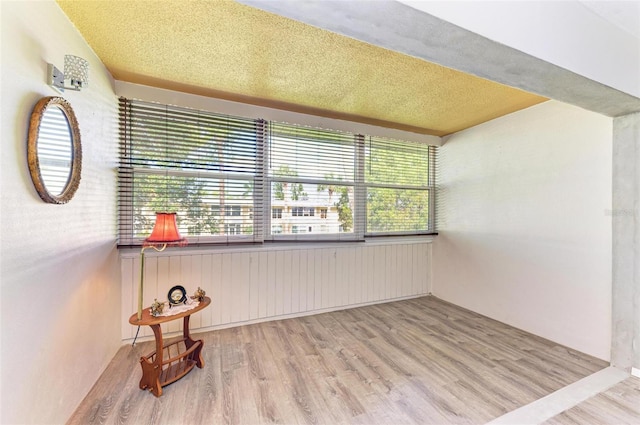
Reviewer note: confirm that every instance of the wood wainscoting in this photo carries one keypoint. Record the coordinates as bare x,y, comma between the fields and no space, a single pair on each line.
249,285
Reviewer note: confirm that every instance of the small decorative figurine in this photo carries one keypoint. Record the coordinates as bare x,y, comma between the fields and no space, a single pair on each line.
156,308
199,294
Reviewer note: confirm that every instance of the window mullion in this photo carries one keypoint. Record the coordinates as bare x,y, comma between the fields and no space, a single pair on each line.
262,141
360,201
433,170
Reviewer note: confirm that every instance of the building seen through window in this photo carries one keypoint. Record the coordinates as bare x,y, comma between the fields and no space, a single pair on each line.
234,179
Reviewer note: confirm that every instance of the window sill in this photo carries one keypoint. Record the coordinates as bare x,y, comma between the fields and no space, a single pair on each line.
130,252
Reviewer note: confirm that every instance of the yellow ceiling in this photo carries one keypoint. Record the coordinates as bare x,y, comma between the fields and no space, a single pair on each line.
223,49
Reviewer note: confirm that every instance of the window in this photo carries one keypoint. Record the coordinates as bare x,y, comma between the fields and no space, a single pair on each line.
311,168
206,167
302,212
220,173
399,179
233,229
299,229
232,210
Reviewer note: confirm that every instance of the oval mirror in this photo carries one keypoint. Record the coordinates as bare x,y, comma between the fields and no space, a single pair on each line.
54,151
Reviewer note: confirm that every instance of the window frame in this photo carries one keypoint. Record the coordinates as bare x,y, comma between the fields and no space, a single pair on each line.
276,213
262,222
141,124
429,187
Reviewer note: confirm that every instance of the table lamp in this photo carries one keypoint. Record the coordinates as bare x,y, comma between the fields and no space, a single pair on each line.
165,233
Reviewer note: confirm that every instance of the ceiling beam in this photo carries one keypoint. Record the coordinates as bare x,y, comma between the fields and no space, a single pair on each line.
396,26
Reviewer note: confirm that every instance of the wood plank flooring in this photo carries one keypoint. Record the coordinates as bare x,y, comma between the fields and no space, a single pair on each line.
418,361
619,405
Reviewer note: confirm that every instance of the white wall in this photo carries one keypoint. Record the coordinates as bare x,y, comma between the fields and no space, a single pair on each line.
525,224
60,289
565,33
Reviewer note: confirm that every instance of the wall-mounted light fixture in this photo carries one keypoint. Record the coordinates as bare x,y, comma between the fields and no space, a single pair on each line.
76,73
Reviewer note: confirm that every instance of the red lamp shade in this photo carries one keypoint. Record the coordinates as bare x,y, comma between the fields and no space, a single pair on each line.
165,231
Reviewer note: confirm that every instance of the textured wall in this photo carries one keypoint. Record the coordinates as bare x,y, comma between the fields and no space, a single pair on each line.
59,265
525,224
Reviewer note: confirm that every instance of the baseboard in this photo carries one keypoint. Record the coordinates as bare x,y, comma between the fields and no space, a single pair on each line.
635,372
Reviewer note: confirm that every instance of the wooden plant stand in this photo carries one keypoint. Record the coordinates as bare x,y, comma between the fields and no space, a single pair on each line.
173,360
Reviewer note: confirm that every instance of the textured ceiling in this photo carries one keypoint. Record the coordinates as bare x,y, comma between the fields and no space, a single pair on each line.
231,51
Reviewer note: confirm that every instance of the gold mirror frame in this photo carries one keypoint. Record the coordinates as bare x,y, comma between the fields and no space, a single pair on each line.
76,150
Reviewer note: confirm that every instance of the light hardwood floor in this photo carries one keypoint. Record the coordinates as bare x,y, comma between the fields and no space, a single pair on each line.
418,361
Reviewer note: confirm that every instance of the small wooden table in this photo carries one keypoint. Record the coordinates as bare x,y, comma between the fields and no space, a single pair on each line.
159,370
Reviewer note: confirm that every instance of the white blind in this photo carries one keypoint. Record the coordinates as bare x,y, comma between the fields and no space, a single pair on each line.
400,186
312,177
208,168
233,179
